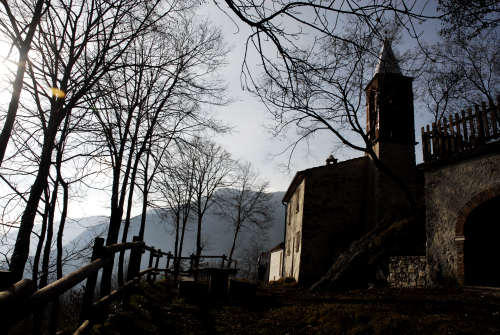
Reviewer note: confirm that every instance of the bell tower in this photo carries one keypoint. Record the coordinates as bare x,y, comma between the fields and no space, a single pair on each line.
389,115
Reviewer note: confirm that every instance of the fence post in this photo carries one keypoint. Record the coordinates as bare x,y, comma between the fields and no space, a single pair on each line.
167,271
460,145
191,261
425,146
150,263
6,279
169,254
496,113
12,301
158,256
446,138
493,120
466,134
473,140
453,138
486,124
88,294
435,142
134,262
222,263
480,125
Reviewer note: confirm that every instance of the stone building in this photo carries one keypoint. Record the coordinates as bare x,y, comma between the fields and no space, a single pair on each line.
462,194
328,207
276,260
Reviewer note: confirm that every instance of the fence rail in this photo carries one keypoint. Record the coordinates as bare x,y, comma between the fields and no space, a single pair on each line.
174,264
461,132
21,300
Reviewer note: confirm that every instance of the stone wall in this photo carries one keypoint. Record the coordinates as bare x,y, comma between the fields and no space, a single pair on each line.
451,192
408,271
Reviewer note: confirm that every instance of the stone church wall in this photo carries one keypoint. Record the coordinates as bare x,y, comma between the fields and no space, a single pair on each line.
275,265
293,245
450,191
335,213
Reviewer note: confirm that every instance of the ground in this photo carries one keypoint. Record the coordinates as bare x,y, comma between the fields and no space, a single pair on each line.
156,309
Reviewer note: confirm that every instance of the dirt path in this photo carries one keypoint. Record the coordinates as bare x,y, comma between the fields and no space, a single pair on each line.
285,310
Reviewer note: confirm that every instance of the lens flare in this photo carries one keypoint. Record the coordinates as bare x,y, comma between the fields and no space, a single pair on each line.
57,92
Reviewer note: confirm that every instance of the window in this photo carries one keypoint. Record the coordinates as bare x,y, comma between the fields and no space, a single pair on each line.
288,247
297,241
289,212
297,203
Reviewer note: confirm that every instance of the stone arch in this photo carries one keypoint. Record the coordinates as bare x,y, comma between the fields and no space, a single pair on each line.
463,214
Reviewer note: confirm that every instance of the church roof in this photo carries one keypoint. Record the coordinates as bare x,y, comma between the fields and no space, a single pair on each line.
302,174
280,246
387,62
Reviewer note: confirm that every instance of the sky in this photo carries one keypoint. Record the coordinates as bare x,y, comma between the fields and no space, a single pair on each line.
250,138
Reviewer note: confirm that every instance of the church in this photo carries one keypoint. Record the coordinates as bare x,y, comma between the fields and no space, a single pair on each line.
330,206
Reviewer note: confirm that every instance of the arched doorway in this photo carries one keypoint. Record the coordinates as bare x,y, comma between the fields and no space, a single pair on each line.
482,247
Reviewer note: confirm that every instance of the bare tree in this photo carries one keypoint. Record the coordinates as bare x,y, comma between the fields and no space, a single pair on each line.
212,166
459,73
76,46
245,204
250,255
175,187
468,18
152,100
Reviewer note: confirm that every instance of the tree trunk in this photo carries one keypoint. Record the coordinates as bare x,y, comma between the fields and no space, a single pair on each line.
39,247
177,228
14,104
112,238
236,231
21,249
60,231
17,86
181,244
117,203
113,229
144,193
126,227
198,243
44,279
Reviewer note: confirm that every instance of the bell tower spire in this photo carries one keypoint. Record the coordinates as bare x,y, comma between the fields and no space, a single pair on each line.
387,62
389,114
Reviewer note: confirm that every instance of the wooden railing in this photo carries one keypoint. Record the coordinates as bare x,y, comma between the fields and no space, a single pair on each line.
20,300
461,132
171,268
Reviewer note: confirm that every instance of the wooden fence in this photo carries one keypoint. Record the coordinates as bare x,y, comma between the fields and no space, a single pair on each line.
20,300
172,269
461,132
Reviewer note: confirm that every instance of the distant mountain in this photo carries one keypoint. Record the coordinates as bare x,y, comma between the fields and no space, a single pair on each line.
217,233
